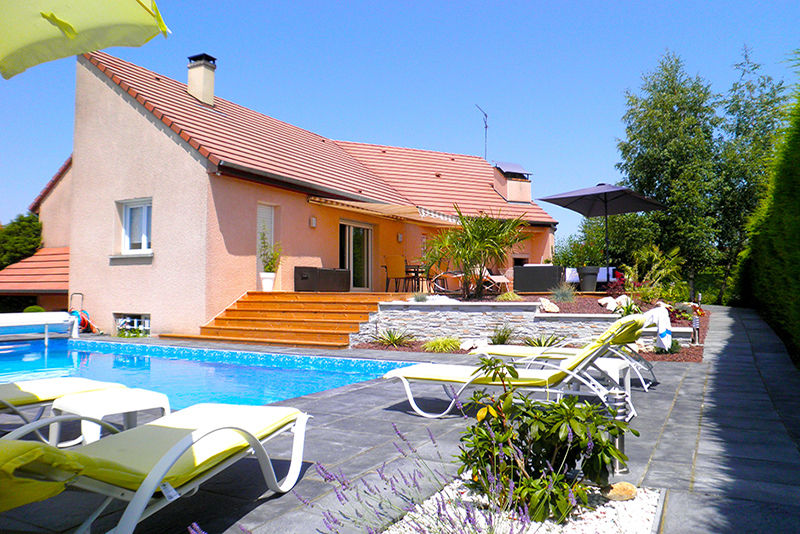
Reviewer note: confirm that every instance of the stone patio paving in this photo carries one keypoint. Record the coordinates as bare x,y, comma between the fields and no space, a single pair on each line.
720,436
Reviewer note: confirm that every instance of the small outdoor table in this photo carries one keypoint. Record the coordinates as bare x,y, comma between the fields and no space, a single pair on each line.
99,404
414,273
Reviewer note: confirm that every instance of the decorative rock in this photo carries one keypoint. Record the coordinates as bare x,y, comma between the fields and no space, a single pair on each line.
548,306
621,491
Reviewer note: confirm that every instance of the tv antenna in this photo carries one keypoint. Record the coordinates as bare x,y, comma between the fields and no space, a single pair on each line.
485,130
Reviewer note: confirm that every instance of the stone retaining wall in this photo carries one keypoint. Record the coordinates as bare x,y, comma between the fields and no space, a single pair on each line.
471,320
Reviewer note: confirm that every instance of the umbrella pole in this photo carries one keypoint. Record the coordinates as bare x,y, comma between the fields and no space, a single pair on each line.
608,261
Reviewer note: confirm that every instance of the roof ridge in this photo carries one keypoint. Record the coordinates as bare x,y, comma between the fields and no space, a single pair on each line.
378,145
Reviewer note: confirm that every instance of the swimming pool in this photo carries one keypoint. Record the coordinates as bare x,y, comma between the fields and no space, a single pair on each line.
188,375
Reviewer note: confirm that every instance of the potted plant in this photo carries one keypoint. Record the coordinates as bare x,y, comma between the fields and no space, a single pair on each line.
589,257
586,256
270,255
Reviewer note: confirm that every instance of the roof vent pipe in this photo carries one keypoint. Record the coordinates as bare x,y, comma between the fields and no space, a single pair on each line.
201,77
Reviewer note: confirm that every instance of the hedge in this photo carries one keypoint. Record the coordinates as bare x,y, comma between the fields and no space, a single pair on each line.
769,276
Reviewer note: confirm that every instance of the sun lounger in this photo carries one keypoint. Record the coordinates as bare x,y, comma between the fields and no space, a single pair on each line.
151,465
42,392
619,336
554,379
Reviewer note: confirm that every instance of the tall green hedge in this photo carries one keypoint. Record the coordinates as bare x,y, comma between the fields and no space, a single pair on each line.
769,277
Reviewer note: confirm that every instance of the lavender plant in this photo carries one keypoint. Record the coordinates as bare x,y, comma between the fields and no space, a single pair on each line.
372,503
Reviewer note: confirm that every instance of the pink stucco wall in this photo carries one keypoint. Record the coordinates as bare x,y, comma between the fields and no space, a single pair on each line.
203,225
122,153
54,213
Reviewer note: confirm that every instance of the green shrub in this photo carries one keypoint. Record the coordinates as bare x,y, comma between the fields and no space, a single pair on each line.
673,349
442,344
393,338
131,332
501,335
420,297
33,309
563,292
526,452
508,296
543,340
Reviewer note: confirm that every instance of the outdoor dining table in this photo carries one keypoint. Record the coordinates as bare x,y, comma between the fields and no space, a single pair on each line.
415,275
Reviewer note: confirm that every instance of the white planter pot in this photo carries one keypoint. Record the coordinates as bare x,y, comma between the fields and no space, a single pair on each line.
266,281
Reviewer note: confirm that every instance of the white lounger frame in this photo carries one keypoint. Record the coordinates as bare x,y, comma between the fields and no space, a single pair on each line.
143,502
596,389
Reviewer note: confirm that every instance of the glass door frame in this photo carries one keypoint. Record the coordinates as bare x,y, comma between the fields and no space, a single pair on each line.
349,254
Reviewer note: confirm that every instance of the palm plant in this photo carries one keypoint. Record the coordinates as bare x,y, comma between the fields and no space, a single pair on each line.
479,242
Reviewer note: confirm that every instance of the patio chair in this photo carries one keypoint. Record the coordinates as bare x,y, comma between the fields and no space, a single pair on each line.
554,378
445,282
151,465
495,283
396,270
42,392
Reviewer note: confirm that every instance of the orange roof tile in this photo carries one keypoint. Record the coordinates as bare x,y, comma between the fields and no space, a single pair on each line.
228,133
437,180
47,271
240,139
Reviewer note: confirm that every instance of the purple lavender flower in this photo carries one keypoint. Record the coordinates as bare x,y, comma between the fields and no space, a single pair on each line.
399,434
301,499
511,488
569,435
326,475
370,489
400,449
340,495
489,429
572,500
430,435
589,444
380,471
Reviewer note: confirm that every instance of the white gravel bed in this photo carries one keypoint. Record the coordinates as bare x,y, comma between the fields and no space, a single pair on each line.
636,516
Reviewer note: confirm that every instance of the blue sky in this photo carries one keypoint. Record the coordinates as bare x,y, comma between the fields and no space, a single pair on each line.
551,75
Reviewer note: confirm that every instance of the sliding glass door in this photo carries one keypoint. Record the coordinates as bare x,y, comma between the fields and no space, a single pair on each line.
355,253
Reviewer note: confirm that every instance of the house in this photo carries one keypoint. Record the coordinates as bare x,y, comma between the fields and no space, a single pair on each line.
169,186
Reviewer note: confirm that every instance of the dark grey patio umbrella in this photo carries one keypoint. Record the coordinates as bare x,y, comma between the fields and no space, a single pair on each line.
605,200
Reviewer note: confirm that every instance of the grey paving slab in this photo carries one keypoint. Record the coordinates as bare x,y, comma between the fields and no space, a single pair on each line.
694,512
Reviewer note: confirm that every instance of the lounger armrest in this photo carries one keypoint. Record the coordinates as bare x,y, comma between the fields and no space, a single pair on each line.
24,430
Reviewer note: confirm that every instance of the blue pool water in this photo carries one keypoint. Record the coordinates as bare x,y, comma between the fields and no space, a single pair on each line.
188,376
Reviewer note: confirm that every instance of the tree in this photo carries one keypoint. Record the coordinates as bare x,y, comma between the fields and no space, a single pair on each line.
19,239
478,243
754,114
669,154
627,234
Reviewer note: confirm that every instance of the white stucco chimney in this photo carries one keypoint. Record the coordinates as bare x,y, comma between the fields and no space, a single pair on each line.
201,77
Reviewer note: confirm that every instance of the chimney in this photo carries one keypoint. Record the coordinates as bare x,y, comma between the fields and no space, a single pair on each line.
512,182
201,77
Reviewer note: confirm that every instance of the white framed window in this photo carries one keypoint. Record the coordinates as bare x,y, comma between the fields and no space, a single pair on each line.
136,227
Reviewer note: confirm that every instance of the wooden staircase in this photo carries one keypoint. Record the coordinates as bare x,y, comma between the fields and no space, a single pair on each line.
296,319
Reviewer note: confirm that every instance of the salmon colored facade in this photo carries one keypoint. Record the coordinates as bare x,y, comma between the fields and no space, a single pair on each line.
204,206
